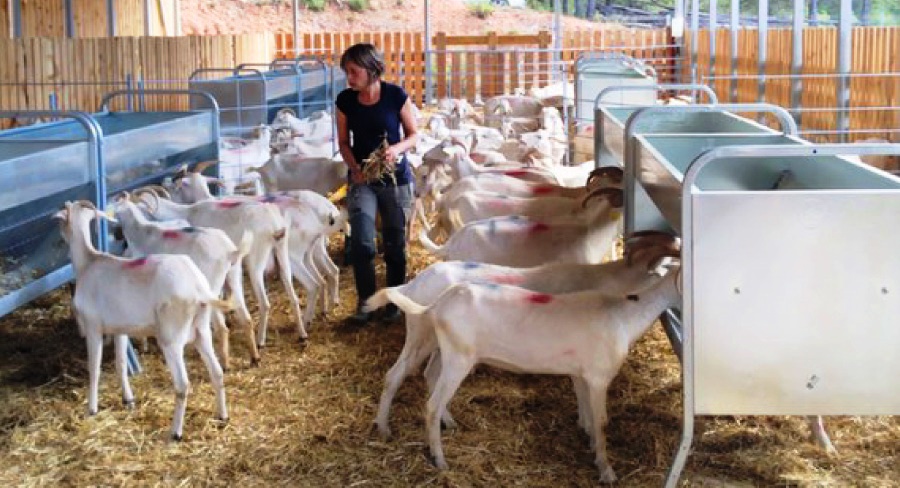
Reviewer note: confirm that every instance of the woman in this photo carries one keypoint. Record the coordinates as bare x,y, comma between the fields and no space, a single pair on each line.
371,110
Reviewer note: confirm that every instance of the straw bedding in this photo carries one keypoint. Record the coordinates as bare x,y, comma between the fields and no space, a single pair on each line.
303,418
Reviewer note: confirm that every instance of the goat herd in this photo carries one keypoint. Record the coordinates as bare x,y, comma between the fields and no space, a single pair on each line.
522,288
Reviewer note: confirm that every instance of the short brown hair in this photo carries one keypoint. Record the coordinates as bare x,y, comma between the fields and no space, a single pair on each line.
365,56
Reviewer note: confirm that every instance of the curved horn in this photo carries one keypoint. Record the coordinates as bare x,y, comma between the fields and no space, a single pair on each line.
87,204
136,198
614,173
640,234
159,190
651,249
122,195
203,165
613,195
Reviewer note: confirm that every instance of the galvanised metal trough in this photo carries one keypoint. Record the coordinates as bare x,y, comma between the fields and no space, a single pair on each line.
610,118
83,156
597,71
790,274
251,94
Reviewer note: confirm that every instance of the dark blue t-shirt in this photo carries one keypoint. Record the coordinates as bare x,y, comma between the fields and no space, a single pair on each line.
368,124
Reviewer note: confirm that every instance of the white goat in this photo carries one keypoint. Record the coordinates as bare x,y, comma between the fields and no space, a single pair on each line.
521,242
615,277
235,161
514,187
269,230
585,335
322,175
164,296
211,250
310,262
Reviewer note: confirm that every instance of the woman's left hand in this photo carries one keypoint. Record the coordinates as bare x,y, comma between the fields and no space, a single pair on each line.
391,154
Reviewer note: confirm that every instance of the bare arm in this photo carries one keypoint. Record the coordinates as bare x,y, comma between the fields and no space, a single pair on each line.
356,175
410,132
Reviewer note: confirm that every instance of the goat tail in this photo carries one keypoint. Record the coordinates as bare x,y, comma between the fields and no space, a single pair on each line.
222,305
420,214
280,233
430,246
243,248
393,295
455,219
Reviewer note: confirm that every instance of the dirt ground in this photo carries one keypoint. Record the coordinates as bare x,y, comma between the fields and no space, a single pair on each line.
206,17
303,418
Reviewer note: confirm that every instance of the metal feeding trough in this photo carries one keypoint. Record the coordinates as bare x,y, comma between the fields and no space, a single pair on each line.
597,71
789,270
83,156
610,118
251,94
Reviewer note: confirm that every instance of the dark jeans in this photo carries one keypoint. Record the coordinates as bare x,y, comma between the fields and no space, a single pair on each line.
393,203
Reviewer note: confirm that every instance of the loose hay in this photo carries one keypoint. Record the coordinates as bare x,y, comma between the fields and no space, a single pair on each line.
303,418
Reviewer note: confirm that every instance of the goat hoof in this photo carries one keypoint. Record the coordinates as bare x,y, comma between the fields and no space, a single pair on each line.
255,362
303,340
449,424
223,421
177,437
607,475
383,431
440,464
129,404
91,413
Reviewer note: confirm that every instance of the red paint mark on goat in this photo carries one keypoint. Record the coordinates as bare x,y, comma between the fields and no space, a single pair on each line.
516,173
542,190
171,234
228,203
538,227
507,280
134,263
569,352
540,298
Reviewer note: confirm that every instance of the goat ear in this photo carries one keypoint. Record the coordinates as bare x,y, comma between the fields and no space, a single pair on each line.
62,215
663,264
108,215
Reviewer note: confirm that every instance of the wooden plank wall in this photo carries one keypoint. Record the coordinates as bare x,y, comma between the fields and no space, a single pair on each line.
81,71
5,27
404,54
46,18
655,46
466,66
875,50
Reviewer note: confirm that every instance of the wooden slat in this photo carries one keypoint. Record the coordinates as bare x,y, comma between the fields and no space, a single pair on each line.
457,75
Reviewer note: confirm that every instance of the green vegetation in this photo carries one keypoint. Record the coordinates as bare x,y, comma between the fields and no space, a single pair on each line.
482,9
315,5
358,5
876,12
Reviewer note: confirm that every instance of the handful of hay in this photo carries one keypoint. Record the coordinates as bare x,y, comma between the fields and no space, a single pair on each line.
377,166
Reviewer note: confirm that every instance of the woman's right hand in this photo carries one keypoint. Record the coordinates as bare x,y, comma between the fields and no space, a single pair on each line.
356,176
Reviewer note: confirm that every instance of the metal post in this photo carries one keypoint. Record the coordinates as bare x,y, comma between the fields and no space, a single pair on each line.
428,75
69,18
762,37
557,33
111,18
147,18
177,7
735,28
17,18
845,39
695,33
678,36
797,58
296,28
713,28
